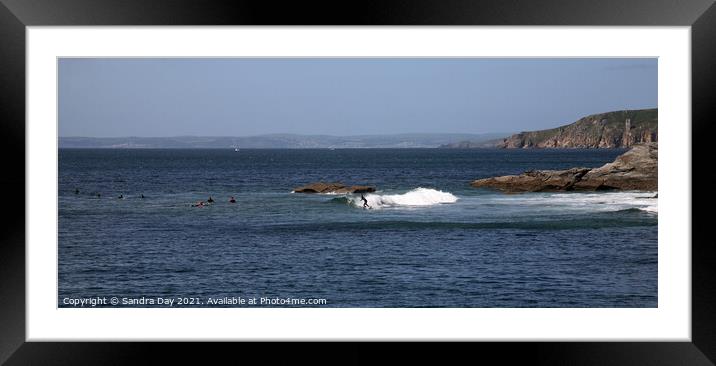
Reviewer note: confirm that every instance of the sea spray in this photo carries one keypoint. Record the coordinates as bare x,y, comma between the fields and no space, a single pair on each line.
417,197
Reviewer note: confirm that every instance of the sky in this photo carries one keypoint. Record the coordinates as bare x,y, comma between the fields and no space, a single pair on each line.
338,96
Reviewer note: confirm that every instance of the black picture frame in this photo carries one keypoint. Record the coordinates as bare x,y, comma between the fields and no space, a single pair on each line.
16,15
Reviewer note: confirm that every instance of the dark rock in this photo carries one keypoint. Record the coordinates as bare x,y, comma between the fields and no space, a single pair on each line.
535,181
637,169
339,188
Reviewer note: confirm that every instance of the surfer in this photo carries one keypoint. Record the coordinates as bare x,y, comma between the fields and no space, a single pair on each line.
365,201
210,200
232,200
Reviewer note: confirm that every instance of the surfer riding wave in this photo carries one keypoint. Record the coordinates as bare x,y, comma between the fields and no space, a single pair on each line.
365,201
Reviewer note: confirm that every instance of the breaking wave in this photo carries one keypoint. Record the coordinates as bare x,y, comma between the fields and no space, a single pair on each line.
595,202
417,197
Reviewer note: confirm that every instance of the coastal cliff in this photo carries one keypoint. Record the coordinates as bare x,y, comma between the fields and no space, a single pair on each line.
637,169
604,130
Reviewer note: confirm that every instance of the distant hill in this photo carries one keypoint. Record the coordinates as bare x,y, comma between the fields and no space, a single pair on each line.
604,130
274,141
467,144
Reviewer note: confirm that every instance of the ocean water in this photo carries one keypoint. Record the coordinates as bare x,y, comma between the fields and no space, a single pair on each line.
429,239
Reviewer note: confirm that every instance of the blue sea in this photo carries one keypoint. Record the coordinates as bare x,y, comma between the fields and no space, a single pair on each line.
429,239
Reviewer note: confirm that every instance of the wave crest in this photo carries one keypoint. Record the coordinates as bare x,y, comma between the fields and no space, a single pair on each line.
417,197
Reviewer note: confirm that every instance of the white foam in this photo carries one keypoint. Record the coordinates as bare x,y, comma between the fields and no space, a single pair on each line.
603,201
650,208
415,198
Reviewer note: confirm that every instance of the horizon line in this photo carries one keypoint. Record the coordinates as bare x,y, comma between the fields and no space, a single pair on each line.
296,134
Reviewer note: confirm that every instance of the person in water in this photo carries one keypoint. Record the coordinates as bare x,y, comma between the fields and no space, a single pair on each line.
121,196
198,204
77,191
97,195
210,200
365,201
142,195
232,200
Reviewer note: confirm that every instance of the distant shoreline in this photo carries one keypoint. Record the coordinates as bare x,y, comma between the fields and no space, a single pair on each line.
417,140
345,148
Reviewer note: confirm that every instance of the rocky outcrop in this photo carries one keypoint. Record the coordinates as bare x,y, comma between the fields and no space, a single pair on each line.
334,188
606,130
637,169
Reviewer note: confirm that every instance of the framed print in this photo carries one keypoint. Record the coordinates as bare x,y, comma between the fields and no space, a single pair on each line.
469,172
